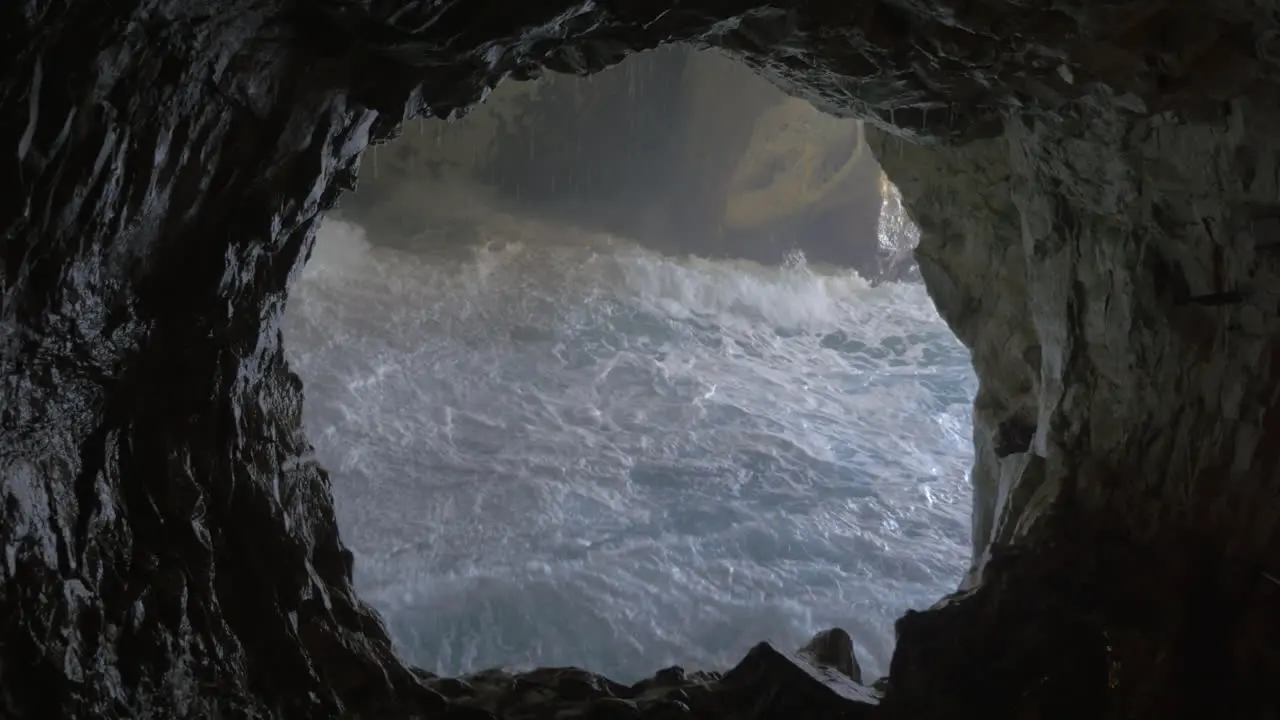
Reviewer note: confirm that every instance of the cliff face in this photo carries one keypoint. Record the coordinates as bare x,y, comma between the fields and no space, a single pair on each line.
680,149
1096,187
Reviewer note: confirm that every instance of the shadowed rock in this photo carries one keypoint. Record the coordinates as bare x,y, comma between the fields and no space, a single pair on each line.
766,685
1079,172
769,683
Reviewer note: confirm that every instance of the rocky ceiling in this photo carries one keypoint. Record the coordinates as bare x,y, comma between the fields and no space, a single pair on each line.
1096,183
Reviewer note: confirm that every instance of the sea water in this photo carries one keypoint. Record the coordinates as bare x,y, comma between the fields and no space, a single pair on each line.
557,448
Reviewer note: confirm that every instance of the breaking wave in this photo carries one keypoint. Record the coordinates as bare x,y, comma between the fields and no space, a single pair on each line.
564,449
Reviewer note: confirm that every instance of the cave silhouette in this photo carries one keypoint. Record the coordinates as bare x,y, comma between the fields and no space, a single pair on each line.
1095,189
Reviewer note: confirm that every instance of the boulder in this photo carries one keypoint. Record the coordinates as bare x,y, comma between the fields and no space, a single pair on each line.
833,649
770,683
816,682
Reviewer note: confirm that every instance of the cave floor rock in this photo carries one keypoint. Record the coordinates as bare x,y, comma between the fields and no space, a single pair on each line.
768,684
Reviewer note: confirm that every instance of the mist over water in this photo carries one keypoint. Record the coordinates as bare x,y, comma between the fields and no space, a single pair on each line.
559,448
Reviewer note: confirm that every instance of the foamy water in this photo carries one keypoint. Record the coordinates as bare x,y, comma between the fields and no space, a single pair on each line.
589,454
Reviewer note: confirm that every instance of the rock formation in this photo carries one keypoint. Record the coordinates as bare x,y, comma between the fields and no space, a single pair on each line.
684,150
768,683
1096,189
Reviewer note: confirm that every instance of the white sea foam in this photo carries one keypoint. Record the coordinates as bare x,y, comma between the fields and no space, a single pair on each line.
566,449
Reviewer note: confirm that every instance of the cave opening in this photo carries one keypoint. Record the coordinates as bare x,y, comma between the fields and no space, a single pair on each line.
1096,194
620,372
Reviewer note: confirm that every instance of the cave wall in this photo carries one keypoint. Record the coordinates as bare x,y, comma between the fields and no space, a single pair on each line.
962,200
1096,190
168,548
809,181
798,161
1135,320
1115,282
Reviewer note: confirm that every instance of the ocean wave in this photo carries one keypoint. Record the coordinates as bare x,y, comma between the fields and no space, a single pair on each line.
561,448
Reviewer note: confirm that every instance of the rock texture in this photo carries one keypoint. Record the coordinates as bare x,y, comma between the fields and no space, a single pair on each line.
1127,383
834,649
1096,185
768,683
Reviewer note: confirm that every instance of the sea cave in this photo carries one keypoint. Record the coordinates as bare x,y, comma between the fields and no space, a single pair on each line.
1098,211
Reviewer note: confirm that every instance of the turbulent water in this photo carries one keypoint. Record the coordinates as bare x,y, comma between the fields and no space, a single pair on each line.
575,451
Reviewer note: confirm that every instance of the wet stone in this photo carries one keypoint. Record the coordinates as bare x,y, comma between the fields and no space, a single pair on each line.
614,709
451,687
817,681
770,683
670,676
667,709
833,649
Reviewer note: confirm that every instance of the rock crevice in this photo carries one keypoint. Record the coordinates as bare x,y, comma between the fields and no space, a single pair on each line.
1097,195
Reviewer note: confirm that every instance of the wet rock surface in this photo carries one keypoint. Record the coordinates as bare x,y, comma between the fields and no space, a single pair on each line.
767,684
1096,189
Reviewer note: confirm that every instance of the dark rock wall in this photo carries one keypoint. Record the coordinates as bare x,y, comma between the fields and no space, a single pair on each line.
1128,366
1098,209
168,549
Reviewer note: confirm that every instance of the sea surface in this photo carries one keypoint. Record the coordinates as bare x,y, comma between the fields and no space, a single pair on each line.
559,448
